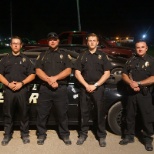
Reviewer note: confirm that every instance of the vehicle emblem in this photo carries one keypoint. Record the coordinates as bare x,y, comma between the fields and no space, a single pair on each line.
99,56
146,63
23,59
61,56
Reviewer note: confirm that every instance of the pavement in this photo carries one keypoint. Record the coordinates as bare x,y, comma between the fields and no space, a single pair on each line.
53,145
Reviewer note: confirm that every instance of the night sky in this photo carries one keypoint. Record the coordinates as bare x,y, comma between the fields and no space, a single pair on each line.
35,18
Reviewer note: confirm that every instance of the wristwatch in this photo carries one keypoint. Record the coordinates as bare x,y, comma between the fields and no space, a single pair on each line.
96,84
22,83
139,83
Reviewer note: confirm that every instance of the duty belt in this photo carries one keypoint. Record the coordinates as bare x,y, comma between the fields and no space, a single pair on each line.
91,82
47,85
145,90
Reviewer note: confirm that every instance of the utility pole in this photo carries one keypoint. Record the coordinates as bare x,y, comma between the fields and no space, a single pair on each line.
78,11
11,17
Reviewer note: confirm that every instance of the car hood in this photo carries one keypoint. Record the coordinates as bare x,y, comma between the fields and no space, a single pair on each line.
125,52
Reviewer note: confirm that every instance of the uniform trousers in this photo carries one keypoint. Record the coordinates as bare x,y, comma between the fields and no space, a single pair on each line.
97,98
144,105
47,98
16,102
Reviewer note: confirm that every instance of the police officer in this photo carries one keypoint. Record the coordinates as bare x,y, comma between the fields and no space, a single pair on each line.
92,69
16,71
53,67
138,73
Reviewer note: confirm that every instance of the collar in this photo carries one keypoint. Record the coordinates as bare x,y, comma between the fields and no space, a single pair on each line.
53,51
145,57
20,55
97,52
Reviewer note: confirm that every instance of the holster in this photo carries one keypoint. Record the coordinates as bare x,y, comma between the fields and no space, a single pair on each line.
145,90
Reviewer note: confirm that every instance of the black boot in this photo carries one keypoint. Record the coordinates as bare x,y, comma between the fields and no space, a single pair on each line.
81,140
149,146
67,140
6,140
102,142
125,141
26,140
40,140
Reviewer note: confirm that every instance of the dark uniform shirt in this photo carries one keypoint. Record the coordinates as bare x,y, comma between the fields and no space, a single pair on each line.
16,68
92,66
139,68
53,62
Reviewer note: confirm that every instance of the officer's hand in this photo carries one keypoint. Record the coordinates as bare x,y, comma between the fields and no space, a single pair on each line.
12,85
51,80
133,84
54,85
90,88
87,88
136,89
18,86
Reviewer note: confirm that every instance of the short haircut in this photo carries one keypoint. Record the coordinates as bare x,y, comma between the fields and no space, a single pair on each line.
140,40
16,37
93,35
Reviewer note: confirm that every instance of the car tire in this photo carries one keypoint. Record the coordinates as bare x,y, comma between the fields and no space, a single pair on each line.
116,71
114,118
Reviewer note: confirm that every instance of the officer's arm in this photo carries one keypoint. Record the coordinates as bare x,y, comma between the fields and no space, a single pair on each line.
80,78
4,80
104,77
63,74
42,75
133,84
29,78
126,78
148,81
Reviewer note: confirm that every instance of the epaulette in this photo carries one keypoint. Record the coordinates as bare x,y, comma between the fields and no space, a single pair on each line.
70,53
151,57
83,53
62,49
47,51
130,59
